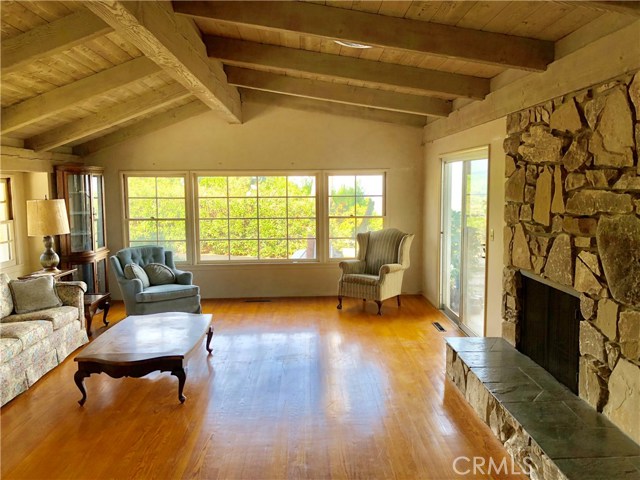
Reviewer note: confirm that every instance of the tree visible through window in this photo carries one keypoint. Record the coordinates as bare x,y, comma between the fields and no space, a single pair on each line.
156,213
7,234
259,217
356,204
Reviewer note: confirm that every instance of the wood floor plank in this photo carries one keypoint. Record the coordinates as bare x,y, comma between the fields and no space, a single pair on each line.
294,389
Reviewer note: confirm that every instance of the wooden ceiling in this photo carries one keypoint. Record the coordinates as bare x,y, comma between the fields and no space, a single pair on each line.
87,75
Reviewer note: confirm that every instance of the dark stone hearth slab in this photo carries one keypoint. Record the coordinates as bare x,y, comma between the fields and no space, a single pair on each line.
514,392
472,344
499,358
598,469
502,375
542,414
585,413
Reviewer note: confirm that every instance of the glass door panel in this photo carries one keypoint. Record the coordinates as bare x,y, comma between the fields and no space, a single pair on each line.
452,239
98,211
80,213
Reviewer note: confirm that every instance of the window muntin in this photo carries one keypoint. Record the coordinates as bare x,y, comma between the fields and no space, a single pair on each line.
355,204
156,212
7,228
256,217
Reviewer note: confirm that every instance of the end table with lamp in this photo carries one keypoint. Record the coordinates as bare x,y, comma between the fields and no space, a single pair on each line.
46,218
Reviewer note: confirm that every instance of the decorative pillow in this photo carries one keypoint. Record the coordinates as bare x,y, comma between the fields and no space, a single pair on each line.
6,308
133,270
159,274
34,294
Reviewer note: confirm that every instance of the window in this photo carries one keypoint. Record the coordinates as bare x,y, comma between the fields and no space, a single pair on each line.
7,234
156,212
356,204
270,217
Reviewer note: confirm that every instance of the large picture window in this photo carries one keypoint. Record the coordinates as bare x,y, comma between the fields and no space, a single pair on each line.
356,204
7,234
156,212
256,217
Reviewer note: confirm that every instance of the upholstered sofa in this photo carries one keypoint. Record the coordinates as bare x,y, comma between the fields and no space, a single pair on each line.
142,297
31,344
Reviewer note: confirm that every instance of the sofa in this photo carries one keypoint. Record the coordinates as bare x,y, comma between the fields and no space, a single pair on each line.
33,343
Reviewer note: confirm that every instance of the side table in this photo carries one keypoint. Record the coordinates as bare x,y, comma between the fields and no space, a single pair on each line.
56,274
94,302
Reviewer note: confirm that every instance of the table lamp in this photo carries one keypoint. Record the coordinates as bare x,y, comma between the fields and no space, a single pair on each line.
47,218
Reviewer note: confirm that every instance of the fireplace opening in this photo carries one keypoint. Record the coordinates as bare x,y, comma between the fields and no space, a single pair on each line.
550,330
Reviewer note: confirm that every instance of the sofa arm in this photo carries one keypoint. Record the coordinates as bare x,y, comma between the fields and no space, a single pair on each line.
72,294
352,266
183,278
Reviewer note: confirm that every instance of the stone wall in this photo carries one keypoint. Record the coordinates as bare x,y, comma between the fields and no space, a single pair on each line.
572,215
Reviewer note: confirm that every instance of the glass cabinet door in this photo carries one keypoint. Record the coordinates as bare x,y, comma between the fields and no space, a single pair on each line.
80,213
98,211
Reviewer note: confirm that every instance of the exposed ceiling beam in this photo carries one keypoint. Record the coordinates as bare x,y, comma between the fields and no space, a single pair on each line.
378,30
107,118
158,34
52,102
338,92
26,160
313,105
623,7
410,79
142,127
49,39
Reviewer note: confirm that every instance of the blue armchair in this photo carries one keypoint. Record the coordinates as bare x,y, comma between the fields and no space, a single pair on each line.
181,296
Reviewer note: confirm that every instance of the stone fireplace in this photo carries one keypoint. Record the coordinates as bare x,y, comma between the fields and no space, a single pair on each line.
572,215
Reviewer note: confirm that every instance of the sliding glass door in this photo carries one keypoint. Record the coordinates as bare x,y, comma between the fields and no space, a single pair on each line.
464,230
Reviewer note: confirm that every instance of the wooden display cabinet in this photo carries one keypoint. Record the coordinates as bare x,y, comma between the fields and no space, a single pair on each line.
85,248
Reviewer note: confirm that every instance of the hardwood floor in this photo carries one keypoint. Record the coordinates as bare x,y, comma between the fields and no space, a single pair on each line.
294,389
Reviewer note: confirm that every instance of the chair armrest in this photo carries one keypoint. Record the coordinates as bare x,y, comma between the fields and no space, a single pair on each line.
389,268
183,278
72,295
352,266
130,287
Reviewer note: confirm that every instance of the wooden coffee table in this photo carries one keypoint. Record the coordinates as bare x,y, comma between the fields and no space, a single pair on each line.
141,344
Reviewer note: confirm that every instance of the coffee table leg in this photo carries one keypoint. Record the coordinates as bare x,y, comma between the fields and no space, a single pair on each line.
105,310
79,377
182,377
209,336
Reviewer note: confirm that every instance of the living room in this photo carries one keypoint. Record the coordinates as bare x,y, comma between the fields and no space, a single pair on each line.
215,90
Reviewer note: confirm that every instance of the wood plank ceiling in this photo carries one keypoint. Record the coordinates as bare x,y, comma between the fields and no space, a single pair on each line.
86,75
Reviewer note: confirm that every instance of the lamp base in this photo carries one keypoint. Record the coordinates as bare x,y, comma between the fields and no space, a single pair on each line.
49,259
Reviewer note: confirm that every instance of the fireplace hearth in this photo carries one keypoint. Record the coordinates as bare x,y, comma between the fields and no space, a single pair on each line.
550,329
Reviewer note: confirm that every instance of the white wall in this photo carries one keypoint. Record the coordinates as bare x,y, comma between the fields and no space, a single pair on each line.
280,139
491,134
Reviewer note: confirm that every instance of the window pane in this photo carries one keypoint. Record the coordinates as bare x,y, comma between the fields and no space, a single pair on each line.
369,206
274,249
214,229
218,250
142,230
342,184
242,208
272,207
141,186
342,227
369,184
244,249
272,186
245,228
171,230
213,208
302,228
212,186
4,232
179,250
342,206
242,186
302,207
5,252
302,249
171,208
368,224
302,186
171,187
342,248
4,187
4,212
273,228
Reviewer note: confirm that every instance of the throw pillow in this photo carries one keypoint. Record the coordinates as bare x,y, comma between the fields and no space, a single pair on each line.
159,274
133,270
34,294
6,308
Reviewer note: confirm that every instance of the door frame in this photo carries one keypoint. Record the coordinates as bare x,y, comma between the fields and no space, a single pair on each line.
475,153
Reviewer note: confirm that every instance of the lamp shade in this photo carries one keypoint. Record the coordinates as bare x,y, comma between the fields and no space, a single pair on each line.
46,217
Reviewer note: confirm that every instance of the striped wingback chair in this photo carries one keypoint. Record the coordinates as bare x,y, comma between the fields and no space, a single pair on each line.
377,273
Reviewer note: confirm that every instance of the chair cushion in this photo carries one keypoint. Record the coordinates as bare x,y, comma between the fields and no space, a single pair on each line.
361,279
57,317
132,270
382,248
34,294
6,302
161,293
159,274
141,255
29,333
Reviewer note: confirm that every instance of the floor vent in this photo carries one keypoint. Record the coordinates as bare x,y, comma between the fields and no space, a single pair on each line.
257,300
439,327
